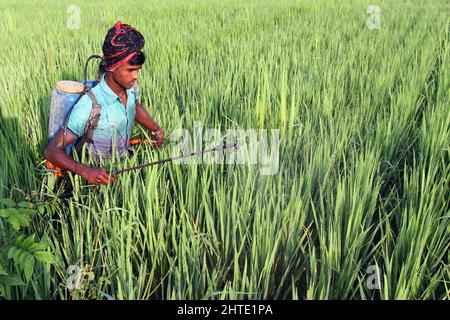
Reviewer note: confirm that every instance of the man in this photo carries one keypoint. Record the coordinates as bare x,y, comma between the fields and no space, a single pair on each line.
122,59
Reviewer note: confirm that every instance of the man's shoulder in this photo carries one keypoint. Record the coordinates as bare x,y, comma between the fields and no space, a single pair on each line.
96,92
82,109
84,101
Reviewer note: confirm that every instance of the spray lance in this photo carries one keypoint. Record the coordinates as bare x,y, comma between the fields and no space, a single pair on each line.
220,147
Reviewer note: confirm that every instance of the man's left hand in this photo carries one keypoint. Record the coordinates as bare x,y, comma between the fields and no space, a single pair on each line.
159,134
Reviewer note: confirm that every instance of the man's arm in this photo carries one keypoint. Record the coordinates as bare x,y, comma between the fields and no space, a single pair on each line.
144,118
56,154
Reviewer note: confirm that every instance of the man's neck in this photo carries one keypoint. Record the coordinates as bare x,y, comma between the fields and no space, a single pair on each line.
113,85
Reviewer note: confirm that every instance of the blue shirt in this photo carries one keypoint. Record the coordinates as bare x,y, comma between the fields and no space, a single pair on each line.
114,127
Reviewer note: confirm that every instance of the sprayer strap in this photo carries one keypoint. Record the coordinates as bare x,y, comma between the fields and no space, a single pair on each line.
91,124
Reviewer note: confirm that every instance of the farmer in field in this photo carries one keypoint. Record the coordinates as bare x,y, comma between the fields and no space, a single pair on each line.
115,93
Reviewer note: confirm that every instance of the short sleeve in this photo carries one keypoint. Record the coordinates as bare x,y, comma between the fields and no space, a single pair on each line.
80,115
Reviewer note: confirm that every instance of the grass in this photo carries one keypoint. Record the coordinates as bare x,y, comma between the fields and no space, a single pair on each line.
364,156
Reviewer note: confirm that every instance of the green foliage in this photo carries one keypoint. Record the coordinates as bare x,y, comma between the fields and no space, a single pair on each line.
363,177
18,252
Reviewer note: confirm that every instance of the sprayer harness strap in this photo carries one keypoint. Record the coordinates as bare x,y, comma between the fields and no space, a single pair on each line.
91,124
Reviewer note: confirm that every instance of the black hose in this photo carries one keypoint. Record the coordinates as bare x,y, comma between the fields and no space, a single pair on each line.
94,56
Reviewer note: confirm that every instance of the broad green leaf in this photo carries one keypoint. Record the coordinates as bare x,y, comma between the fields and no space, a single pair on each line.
13,211
24,220
44,256
23,204
15,223
28,212
28,242
14,218
38,246
4,213
28,266
19,240
19,257
12,251
20,218
9,203
11,280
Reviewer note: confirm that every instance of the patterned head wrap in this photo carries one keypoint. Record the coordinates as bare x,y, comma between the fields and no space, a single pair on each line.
122,42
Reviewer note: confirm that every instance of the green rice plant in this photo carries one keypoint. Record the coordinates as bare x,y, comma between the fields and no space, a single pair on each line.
363,175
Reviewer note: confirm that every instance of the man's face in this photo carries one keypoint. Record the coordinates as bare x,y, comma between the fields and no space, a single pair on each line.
126,74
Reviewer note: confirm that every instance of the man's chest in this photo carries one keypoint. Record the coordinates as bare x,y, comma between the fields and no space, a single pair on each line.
123,100
115,119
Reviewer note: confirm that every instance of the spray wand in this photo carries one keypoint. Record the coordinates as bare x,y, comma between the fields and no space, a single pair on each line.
149,164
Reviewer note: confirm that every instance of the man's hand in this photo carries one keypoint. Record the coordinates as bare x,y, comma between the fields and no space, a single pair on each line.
159,134
97,176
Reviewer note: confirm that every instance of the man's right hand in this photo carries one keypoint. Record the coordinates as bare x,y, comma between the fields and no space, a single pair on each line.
56,154
97,176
